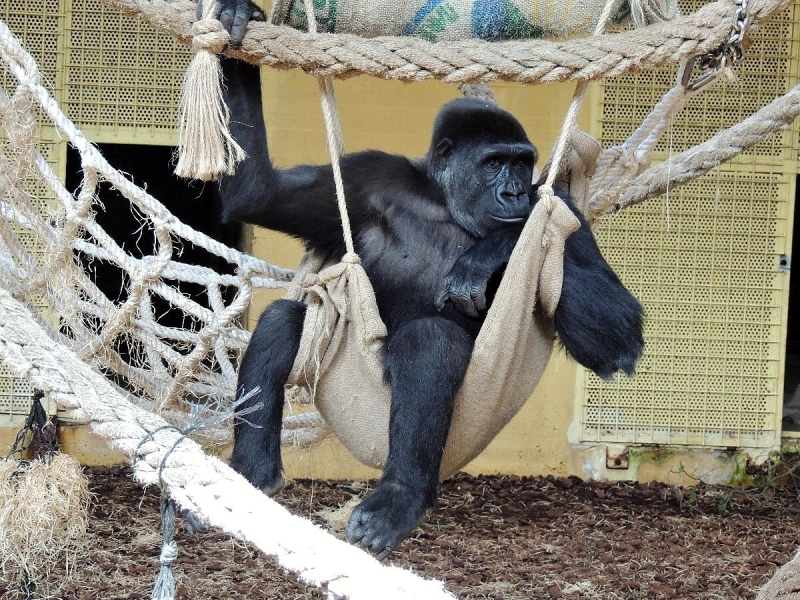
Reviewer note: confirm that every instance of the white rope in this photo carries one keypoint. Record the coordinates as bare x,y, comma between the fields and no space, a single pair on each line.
196,359
197,482
333,128
570,124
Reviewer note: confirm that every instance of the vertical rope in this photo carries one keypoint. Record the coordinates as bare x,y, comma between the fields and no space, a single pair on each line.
164,588
333,127
545,191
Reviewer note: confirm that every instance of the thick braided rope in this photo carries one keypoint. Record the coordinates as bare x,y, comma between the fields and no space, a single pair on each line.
197,482
784,584
774,117
413,59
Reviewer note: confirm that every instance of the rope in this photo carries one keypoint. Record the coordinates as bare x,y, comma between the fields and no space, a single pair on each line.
414,59
198,483
333,128
774,117
206,147
166,364
545,192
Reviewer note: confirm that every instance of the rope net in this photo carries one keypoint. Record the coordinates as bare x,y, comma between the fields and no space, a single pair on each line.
45,245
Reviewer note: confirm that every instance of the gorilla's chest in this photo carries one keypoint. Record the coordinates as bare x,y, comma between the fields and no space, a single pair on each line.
407,255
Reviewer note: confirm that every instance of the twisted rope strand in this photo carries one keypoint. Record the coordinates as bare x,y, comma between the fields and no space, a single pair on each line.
467,61
774,117
197,482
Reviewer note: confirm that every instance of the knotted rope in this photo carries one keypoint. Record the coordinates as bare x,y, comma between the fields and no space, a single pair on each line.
199,483
729,143
206,147
468,61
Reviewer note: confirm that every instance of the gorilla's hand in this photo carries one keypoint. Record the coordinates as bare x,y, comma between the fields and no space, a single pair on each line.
465,286
234,16
467,282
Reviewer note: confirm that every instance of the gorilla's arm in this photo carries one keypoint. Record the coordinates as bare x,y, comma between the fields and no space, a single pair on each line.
598,321
300,201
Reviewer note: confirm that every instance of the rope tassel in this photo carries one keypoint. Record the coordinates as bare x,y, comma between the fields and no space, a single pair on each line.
205,145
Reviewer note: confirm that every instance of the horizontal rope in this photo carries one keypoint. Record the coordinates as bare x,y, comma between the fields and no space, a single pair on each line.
467,61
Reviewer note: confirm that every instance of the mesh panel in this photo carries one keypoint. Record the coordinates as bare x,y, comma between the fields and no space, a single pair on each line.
15,393
37,22
705,263
123,78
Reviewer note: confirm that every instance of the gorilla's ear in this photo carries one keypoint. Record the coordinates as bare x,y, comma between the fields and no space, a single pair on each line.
445,148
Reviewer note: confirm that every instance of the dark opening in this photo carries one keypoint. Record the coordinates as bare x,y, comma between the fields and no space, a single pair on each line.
194,203
791,399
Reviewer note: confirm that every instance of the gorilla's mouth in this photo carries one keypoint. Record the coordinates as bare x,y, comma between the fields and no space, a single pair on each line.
509,219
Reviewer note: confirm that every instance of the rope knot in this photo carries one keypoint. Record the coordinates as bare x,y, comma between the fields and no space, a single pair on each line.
209,34
351,258
547,195
169,553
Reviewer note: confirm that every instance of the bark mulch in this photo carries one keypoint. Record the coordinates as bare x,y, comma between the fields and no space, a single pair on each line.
499,537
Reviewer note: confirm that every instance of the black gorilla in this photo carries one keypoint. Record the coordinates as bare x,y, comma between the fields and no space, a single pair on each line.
433,234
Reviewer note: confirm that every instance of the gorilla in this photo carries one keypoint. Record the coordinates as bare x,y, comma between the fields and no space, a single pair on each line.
434,235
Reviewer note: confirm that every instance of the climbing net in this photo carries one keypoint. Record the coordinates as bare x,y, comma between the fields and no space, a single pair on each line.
117,366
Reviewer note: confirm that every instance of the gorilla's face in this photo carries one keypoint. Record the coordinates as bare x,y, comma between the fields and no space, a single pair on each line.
486,184
483,161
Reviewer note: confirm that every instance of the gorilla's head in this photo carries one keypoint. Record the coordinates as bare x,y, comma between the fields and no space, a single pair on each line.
482,159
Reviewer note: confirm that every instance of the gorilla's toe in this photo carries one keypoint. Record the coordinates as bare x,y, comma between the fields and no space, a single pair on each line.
386,517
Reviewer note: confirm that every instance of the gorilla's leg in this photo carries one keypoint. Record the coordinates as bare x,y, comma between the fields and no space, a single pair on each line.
425,363
266,365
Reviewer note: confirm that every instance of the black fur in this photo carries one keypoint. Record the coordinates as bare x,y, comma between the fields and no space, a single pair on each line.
433,234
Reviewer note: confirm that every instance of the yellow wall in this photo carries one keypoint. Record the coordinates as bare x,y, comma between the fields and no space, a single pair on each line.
397,117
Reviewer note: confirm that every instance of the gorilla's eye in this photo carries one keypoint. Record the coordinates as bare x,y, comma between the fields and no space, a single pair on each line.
493,162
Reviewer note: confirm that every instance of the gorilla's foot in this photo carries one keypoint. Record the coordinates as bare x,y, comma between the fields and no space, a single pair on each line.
386,517
262,474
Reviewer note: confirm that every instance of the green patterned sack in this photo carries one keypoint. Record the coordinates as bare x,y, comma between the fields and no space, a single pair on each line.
445,20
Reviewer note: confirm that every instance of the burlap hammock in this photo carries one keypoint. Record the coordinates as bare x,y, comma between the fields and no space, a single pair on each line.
340,358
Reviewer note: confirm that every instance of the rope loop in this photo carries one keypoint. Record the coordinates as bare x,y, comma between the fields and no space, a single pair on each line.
351,258
548,196
210,35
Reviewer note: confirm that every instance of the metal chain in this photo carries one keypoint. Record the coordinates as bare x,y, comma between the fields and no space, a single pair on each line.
728,53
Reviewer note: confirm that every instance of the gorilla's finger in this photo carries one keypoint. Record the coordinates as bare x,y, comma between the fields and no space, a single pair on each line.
383,553
226,17
442,298
258,14
478,296
240,20
464,305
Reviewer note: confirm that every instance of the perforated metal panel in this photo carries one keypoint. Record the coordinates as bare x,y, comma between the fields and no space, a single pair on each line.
37,23
705,263
122,77
770,67
15,393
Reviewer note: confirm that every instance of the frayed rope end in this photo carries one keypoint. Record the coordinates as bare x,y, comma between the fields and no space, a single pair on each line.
205,145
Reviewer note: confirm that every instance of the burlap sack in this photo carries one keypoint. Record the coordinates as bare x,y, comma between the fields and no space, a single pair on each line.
445,20
340,359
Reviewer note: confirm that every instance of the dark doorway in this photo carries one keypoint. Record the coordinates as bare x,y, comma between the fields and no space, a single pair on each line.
194,203
791,382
